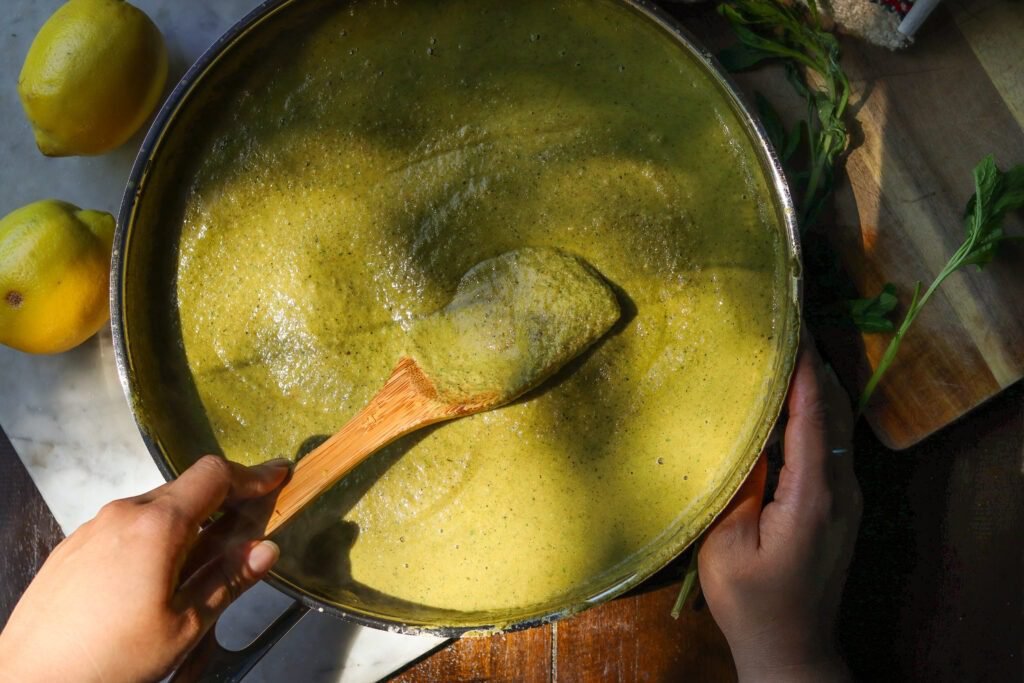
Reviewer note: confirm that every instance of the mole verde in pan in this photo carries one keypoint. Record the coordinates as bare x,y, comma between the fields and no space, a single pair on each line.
357,170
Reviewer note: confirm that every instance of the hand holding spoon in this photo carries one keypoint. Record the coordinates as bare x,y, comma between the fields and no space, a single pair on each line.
514,321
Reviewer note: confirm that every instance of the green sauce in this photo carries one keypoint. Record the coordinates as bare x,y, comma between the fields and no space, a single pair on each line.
514,320
359,166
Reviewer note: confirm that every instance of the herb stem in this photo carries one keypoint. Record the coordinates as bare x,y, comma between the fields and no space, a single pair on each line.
689,580
894,347
811,191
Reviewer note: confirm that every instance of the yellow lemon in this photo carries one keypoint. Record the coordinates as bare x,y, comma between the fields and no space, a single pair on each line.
54,270
93,75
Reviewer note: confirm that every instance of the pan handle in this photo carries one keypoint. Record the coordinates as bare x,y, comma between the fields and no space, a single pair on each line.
210,662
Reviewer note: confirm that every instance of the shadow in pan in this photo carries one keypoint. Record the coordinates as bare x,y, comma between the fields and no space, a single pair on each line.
315,552
316,546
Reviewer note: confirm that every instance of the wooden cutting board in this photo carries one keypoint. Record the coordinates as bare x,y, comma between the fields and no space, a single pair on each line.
924,117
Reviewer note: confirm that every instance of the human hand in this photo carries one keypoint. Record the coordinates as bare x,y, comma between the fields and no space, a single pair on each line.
128,594
773,577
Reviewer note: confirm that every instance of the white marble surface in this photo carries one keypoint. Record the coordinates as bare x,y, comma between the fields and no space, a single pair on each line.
67,416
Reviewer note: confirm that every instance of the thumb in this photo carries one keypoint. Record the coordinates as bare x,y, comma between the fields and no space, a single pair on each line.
217,584
739,524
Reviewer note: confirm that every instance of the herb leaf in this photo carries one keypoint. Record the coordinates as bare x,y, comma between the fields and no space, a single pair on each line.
995,194
869,315
741,57
785,142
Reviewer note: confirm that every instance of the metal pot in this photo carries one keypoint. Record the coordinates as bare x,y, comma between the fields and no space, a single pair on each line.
156,379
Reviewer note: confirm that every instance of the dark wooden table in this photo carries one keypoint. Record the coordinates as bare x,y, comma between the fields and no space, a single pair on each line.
28,531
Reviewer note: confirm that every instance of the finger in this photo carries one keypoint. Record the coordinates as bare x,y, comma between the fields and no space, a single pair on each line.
257,481
212,540
203,488
739,523
805,472
240,523
840,428
220,582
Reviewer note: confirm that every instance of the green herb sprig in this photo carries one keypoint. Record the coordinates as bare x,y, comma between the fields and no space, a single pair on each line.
689,582
995,194
770,30
773,30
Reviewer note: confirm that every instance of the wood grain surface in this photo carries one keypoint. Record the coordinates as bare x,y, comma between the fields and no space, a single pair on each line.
28,532
924,117
523,656
633,638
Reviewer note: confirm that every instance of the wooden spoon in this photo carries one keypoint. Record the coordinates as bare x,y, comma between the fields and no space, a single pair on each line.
514,321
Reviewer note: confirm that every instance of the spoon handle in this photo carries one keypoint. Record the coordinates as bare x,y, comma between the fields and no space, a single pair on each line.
405,403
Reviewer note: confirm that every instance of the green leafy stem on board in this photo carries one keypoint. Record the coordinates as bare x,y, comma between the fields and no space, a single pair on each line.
995,194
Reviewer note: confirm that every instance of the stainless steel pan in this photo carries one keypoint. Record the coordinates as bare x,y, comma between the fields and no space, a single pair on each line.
155,375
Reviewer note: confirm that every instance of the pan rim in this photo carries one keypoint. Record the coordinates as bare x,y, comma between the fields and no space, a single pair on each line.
655,560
